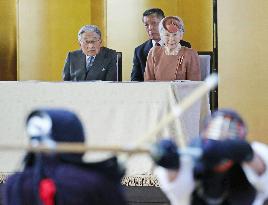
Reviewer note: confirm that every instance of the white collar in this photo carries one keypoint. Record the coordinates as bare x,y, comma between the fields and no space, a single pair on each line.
160,42
90,56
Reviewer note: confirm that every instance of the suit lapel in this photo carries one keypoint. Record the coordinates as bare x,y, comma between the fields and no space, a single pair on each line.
81,64
98,62
147,47
98,65
83,61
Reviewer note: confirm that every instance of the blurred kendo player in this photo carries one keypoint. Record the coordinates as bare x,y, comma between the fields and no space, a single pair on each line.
62,179
229,170
151,19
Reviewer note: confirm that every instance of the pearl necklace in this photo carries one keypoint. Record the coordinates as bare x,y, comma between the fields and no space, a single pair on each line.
174,51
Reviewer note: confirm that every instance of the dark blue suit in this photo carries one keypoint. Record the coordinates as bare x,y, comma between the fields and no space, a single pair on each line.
140,58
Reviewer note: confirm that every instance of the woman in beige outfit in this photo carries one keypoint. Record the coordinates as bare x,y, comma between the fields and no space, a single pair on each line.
172,61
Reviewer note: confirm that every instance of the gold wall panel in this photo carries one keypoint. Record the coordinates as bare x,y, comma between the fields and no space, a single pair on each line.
47,30
243,62
98,17
8,39
198,19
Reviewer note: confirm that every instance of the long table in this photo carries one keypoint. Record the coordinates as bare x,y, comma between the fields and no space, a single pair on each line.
112,113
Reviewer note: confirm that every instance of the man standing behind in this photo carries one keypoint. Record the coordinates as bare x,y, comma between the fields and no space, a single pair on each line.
91,62
151,19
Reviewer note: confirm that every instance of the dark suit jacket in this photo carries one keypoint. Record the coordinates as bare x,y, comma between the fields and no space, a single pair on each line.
140,58
103,68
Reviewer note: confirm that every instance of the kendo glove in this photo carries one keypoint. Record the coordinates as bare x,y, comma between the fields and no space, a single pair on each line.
165,154
216,151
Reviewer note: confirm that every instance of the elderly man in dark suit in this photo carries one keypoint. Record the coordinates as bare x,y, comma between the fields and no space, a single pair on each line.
91,62
151,19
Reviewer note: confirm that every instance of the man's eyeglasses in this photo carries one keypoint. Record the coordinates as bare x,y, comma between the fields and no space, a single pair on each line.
86,42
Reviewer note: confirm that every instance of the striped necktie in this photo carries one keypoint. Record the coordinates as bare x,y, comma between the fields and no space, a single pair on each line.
90,61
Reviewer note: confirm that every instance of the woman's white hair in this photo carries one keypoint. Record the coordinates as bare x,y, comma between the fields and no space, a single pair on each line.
161,27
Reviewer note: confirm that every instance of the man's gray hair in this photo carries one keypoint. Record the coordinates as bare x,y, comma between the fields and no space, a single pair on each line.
88,28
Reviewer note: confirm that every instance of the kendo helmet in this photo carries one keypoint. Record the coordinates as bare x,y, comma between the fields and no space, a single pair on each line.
48,126
224,123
